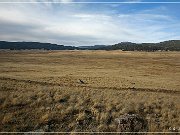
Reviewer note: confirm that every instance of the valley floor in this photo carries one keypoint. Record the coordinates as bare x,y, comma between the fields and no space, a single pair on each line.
42,91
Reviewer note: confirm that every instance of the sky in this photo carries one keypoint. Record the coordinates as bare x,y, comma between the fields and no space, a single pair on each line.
82,24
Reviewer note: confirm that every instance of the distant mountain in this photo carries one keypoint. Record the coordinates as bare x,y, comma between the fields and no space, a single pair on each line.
91,47
171,45
33,45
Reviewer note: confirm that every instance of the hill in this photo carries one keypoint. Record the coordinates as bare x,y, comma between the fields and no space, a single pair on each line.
94,47
33,45
171,45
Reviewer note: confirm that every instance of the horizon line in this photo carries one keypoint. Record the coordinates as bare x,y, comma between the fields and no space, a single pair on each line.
94,44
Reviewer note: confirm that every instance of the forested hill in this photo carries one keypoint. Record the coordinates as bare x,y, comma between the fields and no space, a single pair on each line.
172,45
33,45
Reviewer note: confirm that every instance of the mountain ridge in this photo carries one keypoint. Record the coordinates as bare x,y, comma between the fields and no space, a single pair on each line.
171,45
33,45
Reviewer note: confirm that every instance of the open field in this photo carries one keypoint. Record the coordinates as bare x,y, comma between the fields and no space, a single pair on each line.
41,91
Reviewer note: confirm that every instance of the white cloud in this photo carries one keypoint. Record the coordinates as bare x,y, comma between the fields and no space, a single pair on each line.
66,24
66,0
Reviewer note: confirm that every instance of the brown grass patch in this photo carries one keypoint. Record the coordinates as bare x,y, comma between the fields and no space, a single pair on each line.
40,91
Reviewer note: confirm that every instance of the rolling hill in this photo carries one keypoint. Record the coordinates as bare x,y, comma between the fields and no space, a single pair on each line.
33,45
171,45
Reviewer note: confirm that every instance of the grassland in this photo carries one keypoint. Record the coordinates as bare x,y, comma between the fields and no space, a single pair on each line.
41,91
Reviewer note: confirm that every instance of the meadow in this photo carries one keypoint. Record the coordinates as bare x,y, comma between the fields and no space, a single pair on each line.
41,90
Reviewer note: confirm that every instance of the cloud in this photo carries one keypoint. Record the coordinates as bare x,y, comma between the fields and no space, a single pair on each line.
36,1
72,24
66,0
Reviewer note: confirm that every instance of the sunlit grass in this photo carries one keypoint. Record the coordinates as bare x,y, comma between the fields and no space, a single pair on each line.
40,91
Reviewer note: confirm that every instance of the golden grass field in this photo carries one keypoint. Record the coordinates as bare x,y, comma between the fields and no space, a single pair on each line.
41,91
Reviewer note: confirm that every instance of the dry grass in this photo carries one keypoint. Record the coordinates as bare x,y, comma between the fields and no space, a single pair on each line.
40,90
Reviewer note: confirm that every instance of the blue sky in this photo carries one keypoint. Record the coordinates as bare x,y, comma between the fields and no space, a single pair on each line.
89,23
